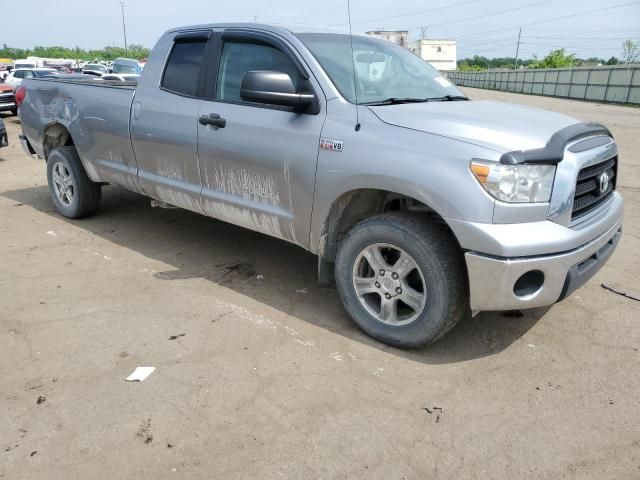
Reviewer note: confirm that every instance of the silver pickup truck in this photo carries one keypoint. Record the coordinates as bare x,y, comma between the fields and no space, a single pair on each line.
422,205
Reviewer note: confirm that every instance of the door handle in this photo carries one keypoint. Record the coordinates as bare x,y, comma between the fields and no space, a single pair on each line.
213,119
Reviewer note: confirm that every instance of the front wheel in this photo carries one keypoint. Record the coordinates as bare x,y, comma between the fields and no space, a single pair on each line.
72,191
402,279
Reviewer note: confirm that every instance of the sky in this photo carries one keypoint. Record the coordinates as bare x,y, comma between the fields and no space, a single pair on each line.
481,27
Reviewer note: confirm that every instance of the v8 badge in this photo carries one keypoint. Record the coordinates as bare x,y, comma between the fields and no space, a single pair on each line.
331,145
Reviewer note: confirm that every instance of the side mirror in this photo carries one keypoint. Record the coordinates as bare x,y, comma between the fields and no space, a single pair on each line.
273,88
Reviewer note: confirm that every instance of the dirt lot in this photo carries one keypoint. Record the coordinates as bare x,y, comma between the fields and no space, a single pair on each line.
268,378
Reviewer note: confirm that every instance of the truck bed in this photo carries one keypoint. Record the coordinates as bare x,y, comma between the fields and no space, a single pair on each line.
96,115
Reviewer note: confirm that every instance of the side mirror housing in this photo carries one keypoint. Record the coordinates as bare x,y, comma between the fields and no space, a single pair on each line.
274,88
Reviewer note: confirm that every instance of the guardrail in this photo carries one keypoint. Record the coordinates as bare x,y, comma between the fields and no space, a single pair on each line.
615,84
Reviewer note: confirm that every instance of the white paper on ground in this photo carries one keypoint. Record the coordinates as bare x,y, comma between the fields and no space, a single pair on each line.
140,374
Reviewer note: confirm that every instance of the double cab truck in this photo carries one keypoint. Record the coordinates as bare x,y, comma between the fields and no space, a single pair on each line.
422,205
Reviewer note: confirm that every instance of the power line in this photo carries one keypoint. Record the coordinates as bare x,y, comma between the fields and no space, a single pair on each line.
412,14
574,38
522,7
609,30
582,13
551,19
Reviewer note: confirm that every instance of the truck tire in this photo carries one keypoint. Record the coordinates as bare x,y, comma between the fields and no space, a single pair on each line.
73,193
402,279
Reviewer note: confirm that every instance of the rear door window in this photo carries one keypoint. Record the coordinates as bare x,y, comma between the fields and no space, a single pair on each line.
182,71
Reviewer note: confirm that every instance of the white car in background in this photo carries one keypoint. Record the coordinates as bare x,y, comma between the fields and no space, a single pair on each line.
24,64
15,78
95,69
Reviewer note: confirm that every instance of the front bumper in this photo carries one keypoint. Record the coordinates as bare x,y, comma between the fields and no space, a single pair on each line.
495,282
7,106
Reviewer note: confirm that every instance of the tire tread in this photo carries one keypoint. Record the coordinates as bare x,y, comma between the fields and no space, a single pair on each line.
449,258
88,192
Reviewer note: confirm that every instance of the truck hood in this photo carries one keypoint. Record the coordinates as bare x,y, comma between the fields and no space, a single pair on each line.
502,127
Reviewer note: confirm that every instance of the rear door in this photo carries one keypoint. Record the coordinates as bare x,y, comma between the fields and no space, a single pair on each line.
164,125
258,165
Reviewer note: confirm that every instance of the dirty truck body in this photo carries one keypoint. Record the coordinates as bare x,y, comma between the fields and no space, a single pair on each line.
425,205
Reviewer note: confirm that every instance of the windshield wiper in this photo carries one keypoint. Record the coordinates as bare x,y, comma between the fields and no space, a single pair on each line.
448,98
396,101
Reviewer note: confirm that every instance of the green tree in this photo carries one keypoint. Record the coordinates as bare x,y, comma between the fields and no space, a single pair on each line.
556,59
630,51
107,53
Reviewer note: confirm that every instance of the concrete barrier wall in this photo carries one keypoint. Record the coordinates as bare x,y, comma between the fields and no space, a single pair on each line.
615,84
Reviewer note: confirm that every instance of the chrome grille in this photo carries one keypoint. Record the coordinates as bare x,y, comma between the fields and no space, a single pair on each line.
588,195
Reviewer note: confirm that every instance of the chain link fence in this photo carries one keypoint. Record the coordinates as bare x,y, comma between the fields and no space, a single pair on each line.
615,84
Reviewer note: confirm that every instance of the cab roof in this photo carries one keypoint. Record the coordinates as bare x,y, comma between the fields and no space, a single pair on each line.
273,27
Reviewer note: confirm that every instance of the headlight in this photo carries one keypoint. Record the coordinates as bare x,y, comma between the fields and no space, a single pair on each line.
515,183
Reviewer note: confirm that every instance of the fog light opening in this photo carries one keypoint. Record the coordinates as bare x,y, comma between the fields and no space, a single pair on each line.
528,284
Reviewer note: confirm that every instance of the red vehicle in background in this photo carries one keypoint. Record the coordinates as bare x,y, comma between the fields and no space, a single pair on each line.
7,99
62,68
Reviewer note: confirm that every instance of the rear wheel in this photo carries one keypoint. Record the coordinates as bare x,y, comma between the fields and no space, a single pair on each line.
72,191
402,279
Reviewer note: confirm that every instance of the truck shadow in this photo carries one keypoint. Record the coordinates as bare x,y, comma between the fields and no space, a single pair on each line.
200,247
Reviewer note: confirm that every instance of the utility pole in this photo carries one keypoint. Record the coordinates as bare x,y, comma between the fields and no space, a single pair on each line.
124,30
423,33
255,19
518,48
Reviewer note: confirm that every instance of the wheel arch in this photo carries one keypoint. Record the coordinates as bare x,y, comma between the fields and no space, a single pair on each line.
55,135
356,205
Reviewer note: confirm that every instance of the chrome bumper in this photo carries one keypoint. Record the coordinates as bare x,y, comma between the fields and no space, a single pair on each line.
492,280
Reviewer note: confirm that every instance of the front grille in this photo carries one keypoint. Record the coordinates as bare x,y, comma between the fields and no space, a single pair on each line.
588,195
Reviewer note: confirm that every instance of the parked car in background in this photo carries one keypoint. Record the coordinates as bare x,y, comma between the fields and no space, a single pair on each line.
126,65
124,77
24,64
7,99
5,70
94,69
4,138
15,78
62,68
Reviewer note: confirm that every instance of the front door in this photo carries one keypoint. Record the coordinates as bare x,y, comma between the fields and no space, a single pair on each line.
258,162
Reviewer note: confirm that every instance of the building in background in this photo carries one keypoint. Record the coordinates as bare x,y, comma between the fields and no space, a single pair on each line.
399,37
439,53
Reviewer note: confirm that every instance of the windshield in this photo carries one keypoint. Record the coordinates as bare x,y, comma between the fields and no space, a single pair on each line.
384,70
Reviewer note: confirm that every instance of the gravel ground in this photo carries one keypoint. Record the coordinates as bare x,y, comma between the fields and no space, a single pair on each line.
259,372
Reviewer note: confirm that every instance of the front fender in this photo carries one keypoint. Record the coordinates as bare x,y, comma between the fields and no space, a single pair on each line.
431,169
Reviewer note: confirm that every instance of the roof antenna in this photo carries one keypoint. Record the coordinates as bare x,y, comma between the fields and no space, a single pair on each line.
353,61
